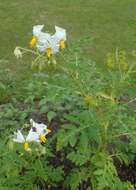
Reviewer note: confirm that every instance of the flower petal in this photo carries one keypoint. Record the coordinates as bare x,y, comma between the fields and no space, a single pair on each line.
32,136
39,127
60,34
18,137
43,41
37,29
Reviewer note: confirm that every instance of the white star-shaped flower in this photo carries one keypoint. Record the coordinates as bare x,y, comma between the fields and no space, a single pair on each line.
31,137
40,129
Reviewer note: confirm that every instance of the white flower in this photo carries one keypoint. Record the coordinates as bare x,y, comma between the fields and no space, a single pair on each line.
18,137
60,37
40,129
31,137
36,31
47,43
17,53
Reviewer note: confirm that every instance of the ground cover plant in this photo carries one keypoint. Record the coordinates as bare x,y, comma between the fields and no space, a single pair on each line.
87,110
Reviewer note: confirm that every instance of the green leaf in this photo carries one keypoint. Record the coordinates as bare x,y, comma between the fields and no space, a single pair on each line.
79,158
73,140
51,115
73,180
98,172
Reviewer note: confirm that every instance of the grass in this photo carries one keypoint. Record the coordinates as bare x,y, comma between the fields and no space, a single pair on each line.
109,24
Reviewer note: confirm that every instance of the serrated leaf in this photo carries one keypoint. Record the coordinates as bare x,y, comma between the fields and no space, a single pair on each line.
73,180
78,158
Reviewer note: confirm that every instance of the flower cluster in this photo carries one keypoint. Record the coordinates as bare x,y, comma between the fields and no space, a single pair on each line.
46,42
37,133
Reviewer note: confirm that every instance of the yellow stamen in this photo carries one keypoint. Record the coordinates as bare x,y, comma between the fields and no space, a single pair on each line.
33,42
26,146
62,44
49,52
42,138
48,130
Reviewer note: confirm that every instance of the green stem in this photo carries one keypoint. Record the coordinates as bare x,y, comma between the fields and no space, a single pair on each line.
75,80
28,50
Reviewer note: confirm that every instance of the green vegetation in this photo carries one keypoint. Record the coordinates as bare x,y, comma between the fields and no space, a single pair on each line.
87,99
